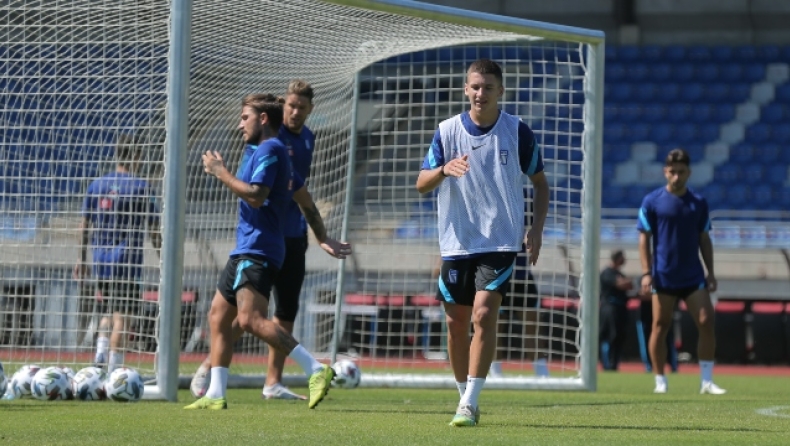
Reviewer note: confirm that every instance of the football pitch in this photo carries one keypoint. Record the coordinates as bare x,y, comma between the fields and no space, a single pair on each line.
756,410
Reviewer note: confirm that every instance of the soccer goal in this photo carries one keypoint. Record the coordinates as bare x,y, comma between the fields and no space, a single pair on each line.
82,76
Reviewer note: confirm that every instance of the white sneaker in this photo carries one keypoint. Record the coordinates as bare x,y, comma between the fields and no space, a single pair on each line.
200,382
711,389
280,392
660,388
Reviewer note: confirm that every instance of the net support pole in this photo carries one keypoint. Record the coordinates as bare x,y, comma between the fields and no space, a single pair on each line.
174,199
591,207
341,272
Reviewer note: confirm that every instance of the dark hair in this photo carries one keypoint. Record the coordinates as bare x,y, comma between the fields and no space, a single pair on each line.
127,149
486,66
617,255
678,156
266,103
301,88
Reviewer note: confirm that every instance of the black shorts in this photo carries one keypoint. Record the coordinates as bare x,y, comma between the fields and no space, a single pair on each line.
461,279
524,295
288,284
681,293
245,269
119,296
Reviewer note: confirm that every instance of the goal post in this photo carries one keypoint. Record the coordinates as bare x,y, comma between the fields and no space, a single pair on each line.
384,76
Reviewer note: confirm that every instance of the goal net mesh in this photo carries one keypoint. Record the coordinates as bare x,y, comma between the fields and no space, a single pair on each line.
81,76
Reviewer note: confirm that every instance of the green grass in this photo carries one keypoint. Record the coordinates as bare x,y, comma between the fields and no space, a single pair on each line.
623,411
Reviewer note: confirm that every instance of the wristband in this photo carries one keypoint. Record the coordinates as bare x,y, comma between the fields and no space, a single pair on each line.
442,171
646,274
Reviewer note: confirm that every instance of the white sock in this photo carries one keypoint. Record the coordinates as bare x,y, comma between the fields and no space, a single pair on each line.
219,382
461,387
541,367
473,390
102,347
305,360
706,371
496,368
661,379
116,360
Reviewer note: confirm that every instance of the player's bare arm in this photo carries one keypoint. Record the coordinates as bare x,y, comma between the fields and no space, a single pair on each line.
706,249
540,206
646,259
81,269
430,179
254,194
313,218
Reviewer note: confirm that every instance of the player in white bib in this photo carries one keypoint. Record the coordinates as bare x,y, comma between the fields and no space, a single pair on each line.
476,161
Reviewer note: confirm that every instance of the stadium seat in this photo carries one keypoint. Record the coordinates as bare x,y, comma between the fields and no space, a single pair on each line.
675,53
684,72
678,113
762,196
781,134
783,94
699,53
753,173
707,73
662,133
685,133
631,113
715,193
654,113
616,153
628,53
754,73
692,92
701,113
742,153
739,196
732,73
728,173
614,133
646,93
776,174
774,113
637,72
758,133
767,154
652,53
659,73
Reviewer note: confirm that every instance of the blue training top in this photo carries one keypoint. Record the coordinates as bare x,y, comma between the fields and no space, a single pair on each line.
300,148
119,205
676,224
260,230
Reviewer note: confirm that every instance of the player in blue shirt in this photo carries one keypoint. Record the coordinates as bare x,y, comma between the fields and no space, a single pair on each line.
117,209
299,142
476,162
674,224
265,185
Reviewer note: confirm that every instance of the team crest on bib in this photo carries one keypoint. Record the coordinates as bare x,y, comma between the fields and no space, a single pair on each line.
503,157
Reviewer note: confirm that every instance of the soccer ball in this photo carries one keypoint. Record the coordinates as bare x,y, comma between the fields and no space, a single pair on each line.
88,384
3,381
51,383
124,385
347,374
69,373
20,382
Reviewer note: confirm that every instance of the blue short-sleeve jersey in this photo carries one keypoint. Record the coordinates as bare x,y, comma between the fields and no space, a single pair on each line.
300,148
529,155
675,223
260,230
119,206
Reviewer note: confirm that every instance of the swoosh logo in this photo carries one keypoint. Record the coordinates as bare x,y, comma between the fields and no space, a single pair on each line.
477,147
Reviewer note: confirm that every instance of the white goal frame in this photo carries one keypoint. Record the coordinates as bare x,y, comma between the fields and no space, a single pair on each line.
175,180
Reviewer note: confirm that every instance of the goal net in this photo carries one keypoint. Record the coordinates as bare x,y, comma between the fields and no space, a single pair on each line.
383,82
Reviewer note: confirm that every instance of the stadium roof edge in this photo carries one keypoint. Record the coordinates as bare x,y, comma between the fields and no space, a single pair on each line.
479,19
